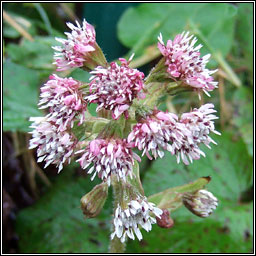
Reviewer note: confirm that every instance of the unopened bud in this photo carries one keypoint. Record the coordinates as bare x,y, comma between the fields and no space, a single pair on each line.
93,202
202,203
165,221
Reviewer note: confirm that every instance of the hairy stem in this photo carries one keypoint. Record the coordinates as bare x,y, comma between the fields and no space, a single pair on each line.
116,246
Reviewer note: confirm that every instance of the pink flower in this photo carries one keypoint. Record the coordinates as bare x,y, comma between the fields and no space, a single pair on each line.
109,156
64,100
184,63
115,87
54,147
157,132
197,126
74,50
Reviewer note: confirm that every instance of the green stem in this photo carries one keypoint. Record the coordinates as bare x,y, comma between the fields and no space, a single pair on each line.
44,17
158,89
86,85
116,246
232,77
150,54
154,73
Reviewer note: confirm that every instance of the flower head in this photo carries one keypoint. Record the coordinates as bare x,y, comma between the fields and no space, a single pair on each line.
197,126
115,87
64,100
76,48
202,203
53,146
157,132
184,62
139,213
109,156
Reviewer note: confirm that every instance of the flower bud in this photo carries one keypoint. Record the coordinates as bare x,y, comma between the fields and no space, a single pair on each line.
202,203
93,202
165,221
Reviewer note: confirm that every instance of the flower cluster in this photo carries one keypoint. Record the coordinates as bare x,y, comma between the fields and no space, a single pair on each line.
75,50
52,145
157,132
107,151
115,87
181,137
51,134
111,156
199,123
64,100
184,62
139,213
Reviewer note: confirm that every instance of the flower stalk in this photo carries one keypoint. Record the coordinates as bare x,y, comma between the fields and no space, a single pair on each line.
115,244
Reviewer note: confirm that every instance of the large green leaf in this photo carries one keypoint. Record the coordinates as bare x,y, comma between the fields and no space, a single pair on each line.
214,21
55,224
10,32
20,90
245,32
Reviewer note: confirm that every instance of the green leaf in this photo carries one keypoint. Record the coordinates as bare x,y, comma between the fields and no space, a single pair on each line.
20,90
55,224
163,174
44,17
215,21
10,32
245,23
36,55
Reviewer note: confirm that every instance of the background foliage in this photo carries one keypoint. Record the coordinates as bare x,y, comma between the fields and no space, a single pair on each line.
54,222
